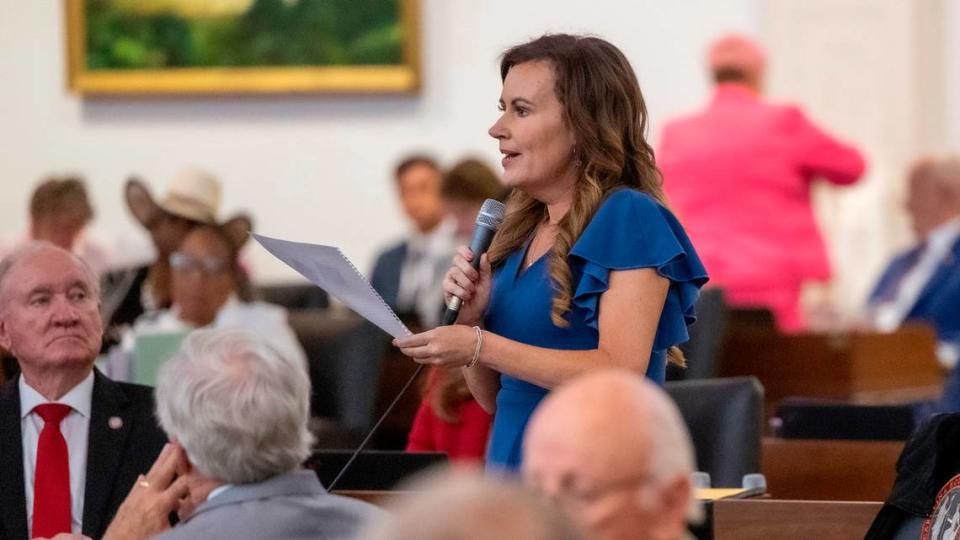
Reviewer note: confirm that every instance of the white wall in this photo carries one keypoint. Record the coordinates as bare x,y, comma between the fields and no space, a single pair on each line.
953,75
318,168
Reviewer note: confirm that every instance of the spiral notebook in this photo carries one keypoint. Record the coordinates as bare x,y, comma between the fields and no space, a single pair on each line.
328,268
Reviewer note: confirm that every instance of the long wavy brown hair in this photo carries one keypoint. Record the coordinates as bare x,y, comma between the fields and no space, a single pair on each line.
604,108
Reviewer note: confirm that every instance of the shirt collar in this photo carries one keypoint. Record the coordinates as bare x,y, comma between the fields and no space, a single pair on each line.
734,91
433,241
218,490
232,302
945,235
79,397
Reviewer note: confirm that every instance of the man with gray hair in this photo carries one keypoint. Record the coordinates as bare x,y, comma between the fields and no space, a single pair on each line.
922,284
73,441
238,412
612,450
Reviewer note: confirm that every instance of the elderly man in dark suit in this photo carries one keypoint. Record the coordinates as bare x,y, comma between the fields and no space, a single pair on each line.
922,284
238,411
73,441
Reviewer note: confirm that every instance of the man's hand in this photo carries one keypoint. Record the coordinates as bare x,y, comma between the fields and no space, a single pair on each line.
146,510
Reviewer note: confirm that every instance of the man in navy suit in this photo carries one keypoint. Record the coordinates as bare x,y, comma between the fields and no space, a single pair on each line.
923,283
408,274
73,441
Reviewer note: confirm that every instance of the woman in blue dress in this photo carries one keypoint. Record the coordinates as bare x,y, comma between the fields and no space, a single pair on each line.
589,269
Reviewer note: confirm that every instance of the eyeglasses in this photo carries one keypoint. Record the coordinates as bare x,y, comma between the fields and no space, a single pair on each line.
584,497
207,265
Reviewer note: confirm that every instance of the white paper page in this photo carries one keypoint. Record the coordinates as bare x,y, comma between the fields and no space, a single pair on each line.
328,268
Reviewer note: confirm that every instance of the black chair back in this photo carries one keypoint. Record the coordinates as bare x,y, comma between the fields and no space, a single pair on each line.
373,470
344,354
706,337
805,418
725,420
294,296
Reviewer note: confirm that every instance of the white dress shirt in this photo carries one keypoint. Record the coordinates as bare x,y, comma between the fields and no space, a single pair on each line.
75,428
218,490
889,315
266,320
429,256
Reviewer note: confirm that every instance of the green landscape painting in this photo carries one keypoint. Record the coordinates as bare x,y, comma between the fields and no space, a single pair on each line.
153,36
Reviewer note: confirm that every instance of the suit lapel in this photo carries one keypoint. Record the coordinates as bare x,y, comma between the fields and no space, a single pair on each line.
104,449
396,271
946,268
13,507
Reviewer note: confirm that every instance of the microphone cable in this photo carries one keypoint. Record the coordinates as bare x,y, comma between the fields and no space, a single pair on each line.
376,426
488,221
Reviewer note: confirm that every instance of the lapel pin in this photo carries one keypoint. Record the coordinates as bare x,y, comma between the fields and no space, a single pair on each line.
115,422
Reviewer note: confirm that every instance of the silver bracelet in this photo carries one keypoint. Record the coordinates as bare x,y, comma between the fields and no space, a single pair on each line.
476,352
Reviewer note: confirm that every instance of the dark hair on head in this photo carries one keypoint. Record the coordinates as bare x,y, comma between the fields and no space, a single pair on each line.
471,180
59,196
411,161
244,289
603,107
729,74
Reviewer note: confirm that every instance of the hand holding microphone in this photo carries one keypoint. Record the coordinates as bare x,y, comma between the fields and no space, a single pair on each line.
467,286
468,281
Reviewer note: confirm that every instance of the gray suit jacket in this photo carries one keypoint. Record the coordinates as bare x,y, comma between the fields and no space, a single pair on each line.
293,505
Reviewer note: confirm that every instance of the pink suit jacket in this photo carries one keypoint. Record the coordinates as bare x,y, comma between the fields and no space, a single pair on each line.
739,174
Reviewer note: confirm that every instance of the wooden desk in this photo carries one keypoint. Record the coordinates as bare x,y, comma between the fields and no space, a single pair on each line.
744,519
858,367
830,470
748,519
383,499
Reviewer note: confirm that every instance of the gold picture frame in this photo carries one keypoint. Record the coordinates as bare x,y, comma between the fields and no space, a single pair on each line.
395,78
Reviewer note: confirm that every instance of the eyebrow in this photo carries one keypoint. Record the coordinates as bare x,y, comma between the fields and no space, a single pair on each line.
518,101
48,289
40,289
79,283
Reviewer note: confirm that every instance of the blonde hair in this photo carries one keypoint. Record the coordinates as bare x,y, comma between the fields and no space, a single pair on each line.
604,108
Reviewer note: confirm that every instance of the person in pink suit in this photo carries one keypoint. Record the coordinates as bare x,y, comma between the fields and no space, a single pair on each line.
739,174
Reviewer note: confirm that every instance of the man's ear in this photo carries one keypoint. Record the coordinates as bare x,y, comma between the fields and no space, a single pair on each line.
184,466
675,499
4,335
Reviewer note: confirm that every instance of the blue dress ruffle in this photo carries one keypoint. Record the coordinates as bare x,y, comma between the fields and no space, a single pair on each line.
630,230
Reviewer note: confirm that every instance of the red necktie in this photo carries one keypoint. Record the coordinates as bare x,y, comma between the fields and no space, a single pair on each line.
51,479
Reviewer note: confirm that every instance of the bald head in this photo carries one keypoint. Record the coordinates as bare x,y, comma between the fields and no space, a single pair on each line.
50,317
738,59
612,447
933,196
26,254
469,505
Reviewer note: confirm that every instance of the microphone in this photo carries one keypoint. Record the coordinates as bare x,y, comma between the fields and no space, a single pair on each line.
488,221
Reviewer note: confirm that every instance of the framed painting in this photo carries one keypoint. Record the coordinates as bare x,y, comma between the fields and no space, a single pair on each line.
141,47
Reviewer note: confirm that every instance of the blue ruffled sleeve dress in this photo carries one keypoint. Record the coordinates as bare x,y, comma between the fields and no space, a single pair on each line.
630,230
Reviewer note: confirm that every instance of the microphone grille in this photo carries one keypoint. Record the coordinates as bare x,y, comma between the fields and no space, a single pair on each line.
491,214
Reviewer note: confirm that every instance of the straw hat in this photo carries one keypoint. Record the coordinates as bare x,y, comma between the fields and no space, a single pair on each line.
193,194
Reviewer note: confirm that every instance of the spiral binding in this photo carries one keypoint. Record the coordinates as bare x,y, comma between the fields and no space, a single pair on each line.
366,282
